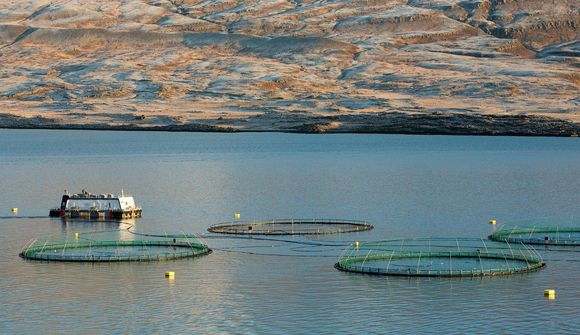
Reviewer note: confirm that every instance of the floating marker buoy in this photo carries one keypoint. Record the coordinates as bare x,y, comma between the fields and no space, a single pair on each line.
492,222
356,244
76,236
14,210
237,216
550,294
170,275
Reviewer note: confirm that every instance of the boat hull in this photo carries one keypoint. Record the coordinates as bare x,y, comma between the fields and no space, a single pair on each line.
96,214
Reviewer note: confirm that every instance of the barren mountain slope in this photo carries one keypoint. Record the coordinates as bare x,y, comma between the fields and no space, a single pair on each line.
417,66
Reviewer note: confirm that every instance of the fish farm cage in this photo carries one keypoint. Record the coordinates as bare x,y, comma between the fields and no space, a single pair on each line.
439,258
540,235
291,227
84,247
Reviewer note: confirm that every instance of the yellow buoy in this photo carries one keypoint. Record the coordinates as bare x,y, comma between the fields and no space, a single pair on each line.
14,210
237,216
76,236
492,222
550,294
356,244
170,275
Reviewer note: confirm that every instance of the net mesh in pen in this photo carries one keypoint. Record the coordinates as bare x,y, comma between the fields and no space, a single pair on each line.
140,248
551,235
439,258
291,227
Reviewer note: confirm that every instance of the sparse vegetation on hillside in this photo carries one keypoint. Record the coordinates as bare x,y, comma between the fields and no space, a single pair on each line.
239,63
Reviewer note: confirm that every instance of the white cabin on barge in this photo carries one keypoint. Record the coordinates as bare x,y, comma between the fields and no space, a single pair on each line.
96,206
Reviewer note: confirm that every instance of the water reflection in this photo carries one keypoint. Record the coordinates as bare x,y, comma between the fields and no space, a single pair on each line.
116,230
406,186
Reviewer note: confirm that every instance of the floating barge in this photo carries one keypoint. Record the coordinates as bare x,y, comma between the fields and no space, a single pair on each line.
96,206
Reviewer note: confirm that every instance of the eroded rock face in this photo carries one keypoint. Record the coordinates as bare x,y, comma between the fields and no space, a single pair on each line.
412,66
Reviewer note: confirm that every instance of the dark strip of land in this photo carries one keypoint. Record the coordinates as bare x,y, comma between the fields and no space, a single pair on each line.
385,123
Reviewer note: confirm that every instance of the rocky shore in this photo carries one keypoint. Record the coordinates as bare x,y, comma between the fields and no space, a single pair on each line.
385,123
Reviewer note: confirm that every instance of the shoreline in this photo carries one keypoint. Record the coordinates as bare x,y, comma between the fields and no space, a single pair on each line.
379,123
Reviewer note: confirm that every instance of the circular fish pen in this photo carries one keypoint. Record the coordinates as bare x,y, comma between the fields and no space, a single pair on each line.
560,236
291,227
143,250
438,258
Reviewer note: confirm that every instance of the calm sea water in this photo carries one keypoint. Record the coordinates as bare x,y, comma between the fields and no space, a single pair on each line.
408,186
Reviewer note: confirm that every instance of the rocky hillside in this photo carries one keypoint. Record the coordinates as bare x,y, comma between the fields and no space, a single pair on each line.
417,66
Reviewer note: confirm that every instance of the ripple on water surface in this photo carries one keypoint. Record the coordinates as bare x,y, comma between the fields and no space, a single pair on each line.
406,186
